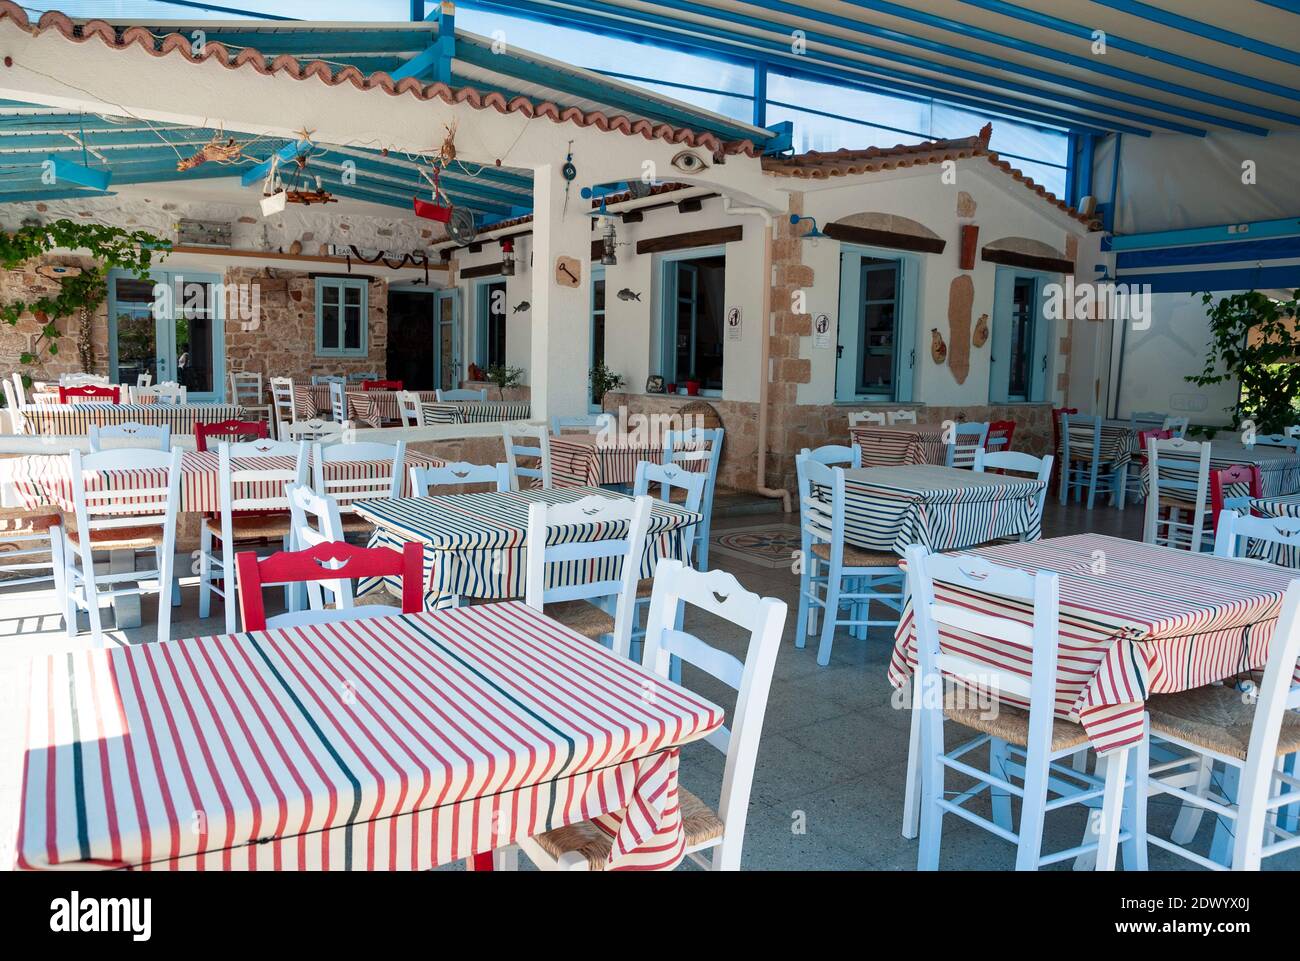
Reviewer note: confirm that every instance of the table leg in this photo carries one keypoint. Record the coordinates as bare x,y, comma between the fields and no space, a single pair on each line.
126,608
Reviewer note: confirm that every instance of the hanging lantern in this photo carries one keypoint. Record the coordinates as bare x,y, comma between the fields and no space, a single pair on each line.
609,244
507,258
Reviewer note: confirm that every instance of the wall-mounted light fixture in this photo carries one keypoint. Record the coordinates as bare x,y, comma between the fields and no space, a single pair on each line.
507,258
813,234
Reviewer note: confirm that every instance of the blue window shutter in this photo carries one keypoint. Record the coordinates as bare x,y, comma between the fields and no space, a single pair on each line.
908,320
1043,336
1000,341
850,318
668,313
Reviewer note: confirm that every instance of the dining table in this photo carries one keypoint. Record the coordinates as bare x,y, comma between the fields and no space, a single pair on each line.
942,508
1279,467
401,742
475,411
596,459
473,544
379,407
900,445
70,420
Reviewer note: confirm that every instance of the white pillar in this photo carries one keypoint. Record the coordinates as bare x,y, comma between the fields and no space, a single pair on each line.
561,316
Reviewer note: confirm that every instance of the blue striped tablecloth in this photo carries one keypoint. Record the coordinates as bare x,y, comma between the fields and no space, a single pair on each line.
1279,467
475,412
943,508
1119,442
1283,554
474,543
63,420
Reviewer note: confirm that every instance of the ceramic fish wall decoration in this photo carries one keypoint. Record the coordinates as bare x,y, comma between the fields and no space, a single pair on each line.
981,335
522,306
628,293
938,349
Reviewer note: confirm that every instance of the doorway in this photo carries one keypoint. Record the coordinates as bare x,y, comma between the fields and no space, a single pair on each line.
410,338
169,326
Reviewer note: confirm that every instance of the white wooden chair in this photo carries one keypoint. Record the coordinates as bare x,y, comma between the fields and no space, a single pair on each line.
1033,742
17,420
128,518
1236,532
130,434
569,600
169,392
968,439
144,379
1277,440
1178,481
868,418
853,575
320,380
587,423
357,377
254,506
338,402
282,405
722,833
314,519
246,391
1017,462
700,446
446,395
539,451
1293,431
457,474
347,491
835,455
29,535
1176,424
1249,736
411,408
316,431
901,417
83,380
20,391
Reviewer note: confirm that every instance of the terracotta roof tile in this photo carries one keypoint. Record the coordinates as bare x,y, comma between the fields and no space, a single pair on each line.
178,45
817,165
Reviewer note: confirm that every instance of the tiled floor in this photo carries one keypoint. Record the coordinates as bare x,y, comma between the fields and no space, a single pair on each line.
828,788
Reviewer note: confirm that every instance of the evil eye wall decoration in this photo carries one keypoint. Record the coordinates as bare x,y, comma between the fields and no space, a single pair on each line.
689,163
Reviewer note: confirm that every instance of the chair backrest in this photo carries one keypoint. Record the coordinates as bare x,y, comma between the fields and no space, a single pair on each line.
144,379
71,395
1277,440
148,436
246,388
821,502
147,494
282,401
382,385
244,487
1180,468
19,389
166,393
229,430
1079,430
1057,414
1293,431
1176,425
1235,532
935,612
320,380
719,594
900,417
967,439
314,519
1146,435
423,479
620,525
1148,418
590,423
411,408
668,476
80,380
361,376
445,395
323,431
16,419
1018,462
326,562
338,402
367,485
867,418
1235,474
699,447
1004,430
539,450
834,455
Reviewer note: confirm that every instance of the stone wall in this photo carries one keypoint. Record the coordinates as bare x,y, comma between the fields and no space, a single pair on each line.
26,284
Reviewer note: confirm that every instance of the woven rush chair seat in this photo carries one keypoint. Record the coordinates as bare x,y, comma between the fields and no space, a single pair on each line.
119,538
585,838
1011,724
352,524
645,587
857,557
29,520
252,526
583,617
1216,718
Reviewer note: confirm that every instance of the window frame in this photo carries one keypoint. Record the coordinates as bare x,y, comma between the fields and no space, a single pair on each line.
1041,364
343,284
906,319
667,313
482,319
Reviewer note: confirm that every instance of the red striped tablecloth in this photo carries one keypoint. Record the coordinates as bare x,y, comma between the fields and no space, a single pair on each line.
41,479
398,743
66,420
476,412
594,459
375,407
943,508
311,401
474,543
900,445
1136,620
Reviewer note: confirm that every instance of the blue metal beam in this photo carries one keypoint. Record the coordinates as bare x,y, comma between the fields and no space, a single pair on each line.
773,53
420,64
1207,235
1198,28
24,196
760,94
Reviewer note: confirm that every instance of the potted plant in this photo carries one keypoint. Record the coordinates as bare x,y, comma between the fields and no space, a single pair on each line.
1255,342
505,377
603,380
692,384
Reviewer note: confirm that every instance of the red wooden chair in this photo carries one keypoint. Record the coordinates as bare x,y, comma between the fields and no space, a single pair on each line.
232,429
381,385
1001,428
1247,474
70,395
297,567
1056,441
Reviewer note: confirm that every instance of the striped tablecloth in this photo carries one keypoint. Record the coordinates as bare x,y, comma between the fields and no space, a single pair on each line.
1136,620
311,401
474,543
76,419
1119,442
1279,467
398,743
594,460
43,479
1285,555
900,445
376,407
476,412
943,508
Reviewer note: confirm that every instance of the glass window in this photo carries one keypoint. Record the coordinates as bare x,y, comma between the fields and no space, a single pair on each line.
597,321
492,316
1024,309
880,291
341,316
695,320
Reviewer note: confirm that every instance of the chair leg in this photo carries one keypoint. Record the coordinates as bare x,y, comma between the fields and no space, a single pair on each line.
1111,805
1221,846
91,593
912,788
832,615
1189,818
805,585
166,581
998,755
205,572
1033,808
814,609
63,580
1092,485
1134,819
927,858
229,590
